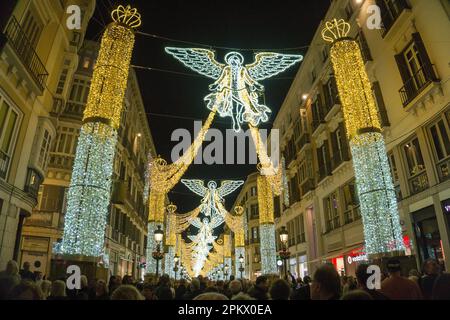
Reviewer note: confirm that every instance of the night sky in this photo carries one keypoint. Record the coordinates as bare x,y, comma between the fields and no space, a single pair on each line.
175,100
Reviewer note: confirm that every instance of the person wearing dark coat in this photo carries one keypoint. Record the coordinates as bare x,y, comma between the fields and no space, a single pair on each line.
260,290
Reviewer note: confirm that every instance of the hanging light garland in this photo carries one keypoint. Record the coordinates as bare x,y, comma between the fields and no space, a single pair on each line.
382,230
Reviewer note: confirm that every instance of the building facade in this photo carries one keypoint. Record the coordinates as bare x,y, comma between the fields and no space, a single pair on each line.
407,63
248,199
126,231
32,77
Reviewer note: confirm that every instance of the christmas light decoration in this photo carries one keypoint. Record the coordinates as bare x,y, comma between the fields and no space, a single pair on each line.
268,249
382,230
266,225
285,182
150,266
235,90
90,188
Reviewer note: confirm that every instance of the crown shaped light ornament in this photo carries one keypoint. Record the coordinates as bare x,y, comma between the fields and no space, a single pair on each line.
171,208
127,16
335,30
238,210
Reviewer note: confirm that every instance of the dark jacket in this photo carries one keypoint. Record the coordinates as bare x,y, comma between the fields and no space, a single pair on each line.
258,293
426,284
302,293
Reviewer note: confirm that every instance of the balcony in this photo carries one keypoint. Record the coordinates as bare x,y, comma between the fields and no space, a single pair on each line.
339,158
33,182
391,12
4,164
417,83
352,214
61,161
40,219
443,169
302,141
332,224
24,50
418,182
324,171
74,110
307,186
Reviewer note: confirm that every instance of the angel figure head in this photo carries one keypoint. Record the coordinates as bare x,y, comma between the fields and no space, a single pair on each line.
235,90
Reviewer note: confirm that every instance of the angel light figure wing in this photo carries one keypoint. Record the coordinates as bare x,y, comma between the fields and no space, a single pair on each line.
268,64
195,185
197,223
216,221
228,186
200,60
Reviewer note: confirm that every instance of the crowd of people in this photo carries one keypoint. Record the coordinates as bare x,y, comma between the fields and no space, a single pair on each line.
326,284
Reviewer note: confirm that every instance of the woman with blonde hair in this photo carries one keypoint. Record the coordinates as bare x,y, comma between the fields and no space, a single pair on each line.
46,288
126,292
58,291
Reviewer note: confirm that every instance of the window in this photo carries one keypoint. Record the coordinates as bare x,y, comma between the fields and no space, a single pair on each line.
294,191
339,145
67,140
439,134
276,207
323,158
317,113
255,233
418,180
9,124
300,229
32,27
332,220
324,54
254,211
253,191
63,77
331,94
80,91
51,198
414,157
390,11
313,75
45,147
395,176
86,63
351,202
415,69
348,10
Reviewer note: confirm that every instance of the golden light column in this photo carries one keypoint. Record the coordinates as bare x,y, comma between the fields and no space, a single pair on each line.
382,230
89,193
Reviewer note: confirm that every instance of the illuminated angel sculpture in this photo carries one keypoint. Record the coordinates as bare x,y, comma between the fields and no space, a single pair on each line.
235,92
205,234
211,193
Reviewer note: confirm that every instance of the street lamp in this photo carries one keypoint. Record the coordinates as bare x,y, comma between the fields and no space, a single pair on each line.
225,272
175,268
157,254
284,253
241,267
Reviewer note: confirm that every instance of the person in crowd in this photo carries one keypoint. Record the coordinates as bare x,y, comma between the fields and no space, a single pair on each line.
396,287
362,278
326,284
128,280
231,278
431,271
126,292
203,282
212,288
83,292
260,290
280,290
235,288
303,291
242,296
357,295
180,290
149,292
211,296
26,290
114,283
25,273
414,275
101,290
12,270
441,288
58,291
7,283
164,291
194,290
46,287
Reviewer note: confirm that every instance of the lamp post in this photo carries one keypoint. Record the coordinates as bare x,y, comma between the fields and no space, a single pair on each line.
157,254
175,268
284,253
241,267
225,272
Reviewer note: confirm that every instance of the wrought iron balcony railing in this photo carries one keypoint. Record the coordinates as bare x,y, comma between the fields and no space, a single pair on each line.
418,81
24,49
